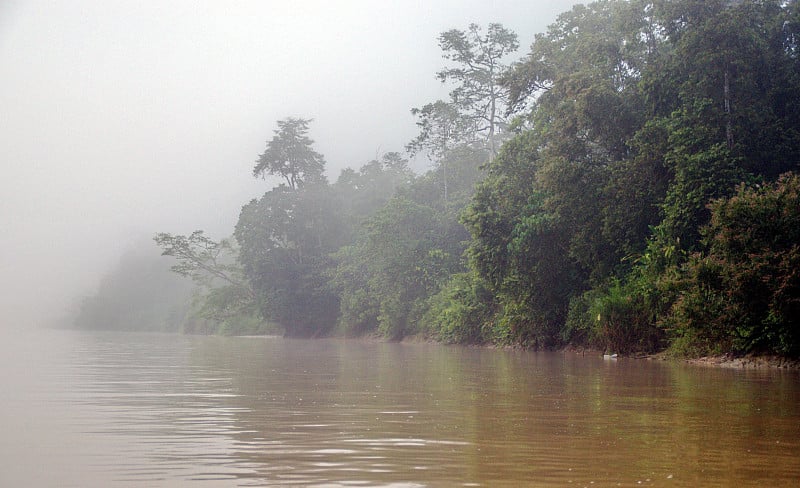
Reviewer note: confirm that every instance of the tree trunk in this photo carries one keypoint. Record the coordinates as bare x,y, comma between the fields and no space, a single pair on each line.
728,118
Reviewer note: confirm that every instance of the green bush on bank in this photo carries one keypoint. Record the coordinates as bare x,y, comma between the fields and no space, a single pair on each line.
619,318
461,312
743,294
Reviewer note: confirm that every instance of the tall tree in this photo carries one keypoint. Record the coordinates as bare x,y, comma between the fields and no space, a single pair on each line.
477,105
287,235
290,155
478,67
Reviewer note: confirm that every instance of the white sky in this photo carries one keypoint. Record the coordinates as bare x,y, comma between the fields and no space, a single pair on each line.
120,119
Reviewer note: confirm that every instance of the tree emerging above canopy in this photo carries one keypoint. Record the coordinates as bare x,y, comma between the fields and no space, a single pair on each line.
289,155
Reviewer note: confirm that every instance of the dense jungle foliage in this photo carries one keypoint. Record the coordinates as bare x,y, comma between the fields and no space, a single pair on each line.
628,184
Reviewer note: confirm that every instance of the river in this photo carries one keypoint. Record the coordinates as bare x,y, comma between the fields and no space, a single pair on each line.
89,409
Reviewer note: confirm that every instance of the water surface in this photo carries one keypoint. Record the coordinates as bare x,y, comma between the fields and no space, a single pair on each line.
104,409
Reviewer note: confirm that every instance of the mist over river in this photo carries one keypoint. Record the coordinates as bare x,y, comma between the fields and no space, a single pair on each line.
89,409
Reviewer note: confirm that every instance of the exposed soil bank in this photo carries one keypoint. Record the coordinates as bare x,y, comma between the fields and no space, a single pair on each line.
747,362
735,362
721,361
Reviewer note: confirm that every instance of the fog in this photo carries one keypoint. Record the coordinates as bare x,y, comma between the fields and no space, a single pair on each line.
122,119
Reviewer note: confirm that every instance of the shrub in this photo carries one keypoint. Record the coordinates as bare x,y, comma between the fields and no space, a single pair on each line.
744,293
620,318
461,312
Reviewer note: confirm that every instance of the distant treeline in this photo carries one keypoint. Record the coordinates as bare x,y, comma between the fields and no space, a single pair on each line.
141,293
629,185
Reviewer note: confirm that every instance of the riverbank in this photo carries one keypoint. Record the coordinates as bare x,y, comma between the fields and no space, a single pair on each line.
721,361
747,362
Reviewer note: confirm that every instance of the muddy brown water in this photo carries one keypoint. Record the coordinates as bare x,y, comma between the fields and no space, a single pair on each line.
107,409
